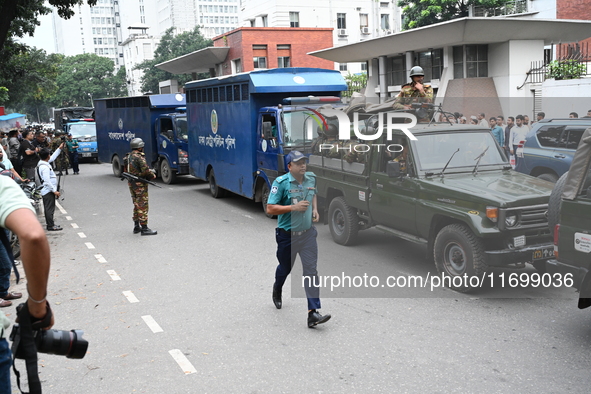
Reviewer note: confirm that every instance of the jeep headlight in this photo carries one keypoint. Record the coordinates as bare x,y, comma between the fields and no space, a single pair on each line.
511,221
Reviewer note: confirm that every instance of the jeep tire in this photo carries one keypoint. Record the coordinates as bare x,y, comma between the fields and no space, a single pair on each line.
343,222
457,251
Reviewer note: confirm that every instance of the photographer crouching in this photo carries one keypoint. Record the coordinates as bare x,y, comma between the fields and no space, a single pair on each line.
17,214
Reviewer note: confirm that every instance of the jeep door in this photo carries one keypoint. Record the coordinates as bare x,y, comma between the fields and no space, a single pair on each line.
393,200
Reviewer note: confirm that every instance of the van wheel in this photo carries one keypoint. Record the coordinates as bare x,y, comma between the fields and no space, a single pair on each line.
265,197
215,190
548,177
166,173
343,222
555,203
457,252
117,169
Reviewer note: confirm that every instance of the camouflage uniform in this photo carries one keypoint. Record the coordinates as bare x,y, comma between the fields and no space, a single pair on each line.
62,163
409,95
135,164
353,156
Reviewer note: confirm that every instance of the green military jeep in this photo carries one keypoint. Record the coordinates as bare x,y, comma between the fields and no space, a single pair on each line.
569,216
452,189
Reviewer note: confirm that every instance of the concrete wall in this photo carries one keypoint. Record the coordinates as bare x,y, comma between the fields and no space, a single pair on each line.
559,98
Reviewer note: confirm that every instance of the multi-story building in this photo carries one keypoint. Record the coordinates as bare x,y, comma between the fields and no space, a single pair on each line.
352,20
214,16
137,47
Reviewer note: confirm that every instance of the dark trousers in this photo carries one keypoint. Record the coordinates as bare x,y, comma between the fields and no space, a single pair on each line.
74,161
5,268
288,247
49,207
17,164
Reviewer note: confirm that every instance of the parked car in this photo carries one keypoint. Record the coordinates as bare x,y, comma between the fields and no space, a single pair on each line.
569,217
549,147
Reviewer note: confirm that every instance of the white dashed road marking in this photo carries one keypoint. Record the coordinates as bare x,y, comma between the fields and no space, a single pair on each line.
82,235
100,258
182,361
89,245
152,324
130,296
113,275
74,225
68,218
62,210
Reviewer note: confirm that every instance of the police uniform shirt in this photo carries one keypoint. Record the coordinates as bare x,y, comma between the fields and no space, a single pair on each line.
287,191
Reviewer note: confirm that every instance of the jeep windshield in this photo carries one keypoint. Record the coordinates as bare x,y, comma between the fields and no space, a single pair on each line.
296,134
83,131
435,150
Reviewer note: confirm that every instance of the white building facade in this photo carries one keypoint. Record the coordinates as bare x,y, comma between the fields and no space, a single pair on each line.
214,16
353,21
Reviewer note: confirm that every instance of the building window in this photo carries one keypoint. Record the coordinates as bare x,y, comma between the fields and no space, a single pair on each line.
363,20
364,66
283,61
294,19
432,63
471,58
260,62
236,66
396,70
342,66
262,47
476,61
283,46
341,21
385,21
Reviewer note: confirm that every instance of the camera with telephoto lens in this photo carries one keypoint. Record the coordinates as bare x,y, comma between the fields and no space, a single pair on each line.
58,342
63,137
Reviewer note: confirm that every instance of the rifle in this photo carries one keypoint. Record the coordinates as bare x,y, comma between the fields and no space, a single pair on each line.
133,178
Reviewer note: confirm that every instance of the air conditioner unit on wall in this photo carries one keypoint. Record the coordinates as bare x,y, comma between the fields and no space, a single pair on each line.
365,30
342,32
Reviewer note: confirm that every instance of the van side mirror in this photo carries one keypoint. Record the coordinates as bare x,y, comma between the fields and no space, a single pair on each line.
393,169
267,130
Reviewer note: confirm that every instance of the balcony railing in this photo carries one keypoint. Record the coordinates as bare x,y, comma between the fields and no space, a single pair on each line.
511,7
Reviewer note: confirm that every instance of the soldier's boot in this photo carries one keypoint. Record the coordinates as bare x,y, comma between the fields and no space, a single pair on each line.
147,231
137,228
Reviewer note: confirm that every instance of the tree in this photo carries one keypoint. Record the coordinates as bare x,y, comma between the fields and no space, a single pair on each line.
82,78
3,94
170,47
418,13
30,74
20,17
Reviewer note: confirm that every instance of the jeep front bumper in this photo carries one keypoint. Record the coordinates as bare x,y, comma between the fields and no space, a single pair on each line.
527,254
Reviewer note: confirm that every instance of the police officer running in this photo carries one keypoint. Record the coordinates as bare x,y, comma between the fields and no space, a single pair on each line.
135,164
293,198
416,91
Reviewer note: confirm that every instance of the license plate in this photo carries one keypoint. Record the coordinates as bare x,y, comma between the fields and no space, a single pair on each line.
519,241
543,254
86,154
86,149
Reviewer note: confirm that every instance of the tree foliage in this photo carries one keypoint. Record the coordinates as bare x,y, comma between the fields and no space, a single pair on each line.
170,47
418,13
20,17
82,78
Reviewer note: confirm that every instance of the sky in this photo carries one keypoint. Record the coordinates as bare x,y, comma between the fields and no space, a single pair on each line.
43,38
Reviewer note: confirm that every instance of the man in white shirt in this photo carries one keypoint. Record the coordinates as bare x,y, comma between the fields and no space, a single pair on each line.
482,121
518,133
50,188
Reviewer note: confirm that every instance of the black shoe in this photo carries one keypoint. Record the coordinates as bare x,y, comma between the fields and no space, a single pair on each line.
277,298
315,318
54,228
59,174
137,228
146,231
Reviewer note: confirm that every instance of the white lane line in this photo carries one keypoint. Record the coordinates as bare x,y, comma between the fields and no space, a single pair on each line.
68,218
100,258
182,361
89,245
152,324
82,235
130,296
62,210
74,225
113,275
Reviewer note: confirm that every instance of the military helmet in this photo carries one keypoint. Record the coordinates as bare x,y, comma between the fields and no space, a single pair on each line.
136,143
332,130
417,70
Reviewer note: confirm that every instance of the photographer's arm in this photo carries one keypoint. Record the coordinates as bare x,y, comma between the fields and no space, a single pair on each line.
35,257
